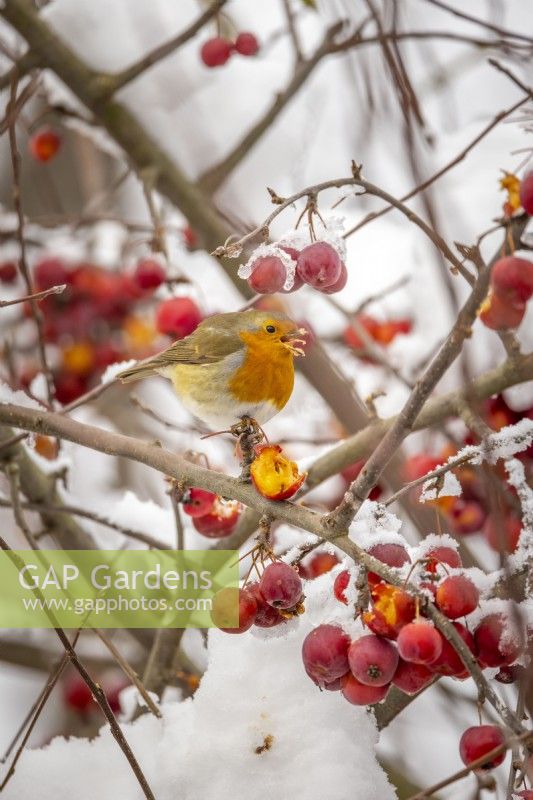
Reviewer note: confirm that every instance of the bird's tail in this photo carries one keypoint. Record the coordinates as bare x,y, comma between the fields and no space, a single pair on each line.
136,373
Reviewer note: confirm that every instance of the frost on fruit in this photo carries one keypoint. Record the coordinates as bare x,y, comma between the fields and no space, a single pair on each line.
245,270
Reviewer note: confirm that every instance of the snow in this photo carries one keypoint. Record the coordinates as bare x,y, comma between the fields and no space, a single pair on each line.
256,727
446,485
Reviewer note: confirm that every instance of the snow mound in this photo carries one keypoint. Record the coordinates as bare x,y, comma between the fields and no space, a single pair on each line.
257,727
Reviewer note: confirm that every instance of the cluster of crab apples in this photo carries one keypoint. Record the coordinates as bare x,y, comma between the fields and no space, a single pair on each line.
273,475
399,645
318,265
215,52
101,317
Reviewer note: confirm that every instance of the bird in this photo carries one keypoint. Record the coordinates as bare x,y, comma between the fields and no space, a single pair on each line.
235,366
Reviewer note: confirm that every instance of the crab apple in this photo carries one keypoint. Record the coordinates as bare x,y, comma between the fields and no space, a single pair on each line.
8,272
442,554
418,465
479,740
503,537
325,654
69,387
339,586
319,265
498,314
291,251
177,317
373,660
498,414
148,274
333,686
411,678
268,275
457,596
524,794
246,44
449,662
267,616
190,237
466,516
360,694
273,474
113,684
77,695
494,643
393,555
224,608
198,502
526,193
351,472
50,272
512,280
339,284
419,642
319,564
280,585
216,51
392,608
509,674
386,332
220,521
44,144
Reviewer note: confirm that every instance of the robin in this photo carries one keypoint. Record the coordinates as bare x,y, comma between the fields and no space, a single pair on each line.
234,366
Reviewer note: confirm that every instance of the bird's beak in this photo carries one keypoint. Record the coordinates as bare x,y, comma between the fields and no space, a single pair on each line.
292,339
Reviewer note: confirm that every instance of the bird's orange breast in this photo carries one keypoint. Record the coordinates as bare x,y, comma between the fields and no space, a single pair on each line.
266,374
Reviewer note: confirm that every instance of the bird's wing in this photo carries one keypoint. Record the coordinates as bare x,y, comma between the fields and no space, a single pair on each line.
206,346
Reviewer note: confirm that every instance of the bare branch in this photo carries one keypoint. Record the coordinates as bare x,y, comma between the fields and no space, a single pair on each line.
34,296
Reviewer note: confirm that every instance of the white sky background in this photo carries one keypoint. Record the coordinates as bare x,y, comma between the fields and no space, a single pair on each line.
197,115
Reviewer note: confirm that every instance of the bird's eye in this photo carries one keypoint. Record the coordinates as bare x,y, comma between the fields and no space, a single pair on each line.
270,329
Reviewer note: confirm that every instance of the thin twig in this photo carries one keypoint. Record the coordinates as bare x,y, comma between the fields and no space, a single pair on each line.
130,672
34,296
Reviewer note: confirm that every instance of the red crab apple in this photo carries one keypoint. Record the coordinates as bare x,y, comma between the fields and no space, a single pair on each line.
391,609
449,662
495,644
466,516
442,554
457,596
393,555
479,740
526,193
419,642
512,280
148,274
373,660
246,44
44,144
77,694
220,521
268,275
497,314
8,272
339,586
351,472
177,317
50,272
319,265
325,654
339,284
215,52
319,564
503,536
224,609
359,694
524,794
267,616
411,678
280,585
198,502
